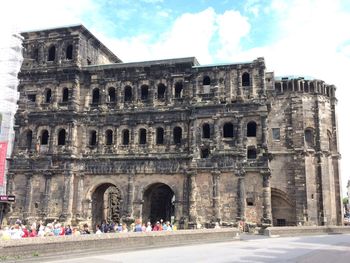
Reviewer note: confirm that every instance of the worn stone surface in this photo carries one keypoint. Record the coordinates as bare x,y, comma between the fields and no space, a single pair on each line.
185,142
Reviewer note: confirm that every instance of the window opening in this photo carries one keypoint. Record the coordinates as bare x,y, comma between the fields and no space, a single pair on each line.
245,79
309,138
178,90
29,139
177,135
144,92
48,96
276,134
250,201
126,137
93,138
109,137
62,137
44,137
160,136
127,94
69,52
251,153
161,91
228,130
32,97
206,81
95,96
65,95
52,53
206,131
205,153
142,136
111,94
251,129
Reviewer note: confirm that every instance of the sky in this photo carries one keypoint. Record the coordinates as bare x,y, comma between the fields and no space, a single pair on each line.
296,37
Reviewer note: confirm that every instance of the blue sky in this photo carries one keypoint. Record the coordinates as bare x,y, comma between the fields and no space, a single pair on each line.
296,37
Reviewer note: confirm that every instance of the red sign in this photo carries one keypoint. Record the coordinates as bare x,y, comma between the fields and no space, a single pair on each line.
3,151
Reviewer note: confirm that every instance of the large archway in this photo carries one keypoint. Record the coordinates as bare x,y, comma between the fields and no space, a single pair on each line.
283,210
106,204
158,203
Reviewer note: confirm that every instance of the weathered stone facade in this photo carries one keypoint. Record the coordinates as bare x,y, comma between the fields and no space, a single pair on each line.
100,139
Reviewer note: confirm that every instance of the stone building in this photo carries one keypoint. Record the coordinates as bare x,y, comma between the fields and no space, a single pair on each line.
168,139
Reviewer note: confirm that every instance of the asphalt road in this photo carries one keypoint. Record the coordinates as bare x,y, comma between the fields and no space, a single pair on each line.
326,248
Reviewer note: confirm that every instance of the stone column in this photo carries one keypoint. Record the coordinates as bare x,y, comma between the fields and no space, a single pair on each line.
51,138
47,192
67,203
240,173
10,178
193,217
267,214
216,196
130,196
79,196
29,196
239,132
264,132
216,139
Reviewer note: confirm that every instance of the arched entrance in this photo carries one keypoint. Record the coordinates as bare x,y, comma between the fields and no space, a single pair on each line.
283,210
106,204
158,203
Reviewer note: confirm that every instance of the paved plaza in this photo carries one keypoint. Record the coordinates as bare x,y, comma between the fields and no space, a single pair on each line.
325,248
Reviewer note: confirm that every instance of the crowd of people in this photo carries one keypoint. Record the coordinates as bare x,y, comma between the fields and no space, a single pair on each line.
39,229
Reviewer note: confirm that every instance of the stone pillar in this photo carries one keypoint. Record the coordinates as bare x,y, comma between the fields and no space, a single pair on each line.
193,217
51,138
264,132
216,196
130,196
47,192
239,132
79,196
29,196
10,178
67,203
240,173
217,129
267,214
75,95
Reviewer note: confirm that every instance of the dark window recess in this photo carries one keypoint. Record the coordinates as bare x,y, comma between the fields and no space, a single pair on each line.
93,138
161,91
65,95
142,136
44,137
228,130
245,79
177,135
251,129
160,136
281,222
276,134
36,55
29,139
52,53
250,201
32,97
206,81
69,52
127,94
111,95
126,137
95,96
88,61
178,90
206,130
309,138
109,137
251,153
61,137
205,153
48,96
144,92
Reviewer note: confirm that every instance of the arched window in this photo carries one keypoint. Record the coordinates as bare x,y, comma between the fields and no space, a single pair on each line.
96,96
245,79
144,92
177,132
44,137
93,138
126,137
52,53
161,91
178,90
111,95
278,87
69,52
228,130
142,136
109,137
65,95
61,137
48,96
251,129
206,130
127,94
160,136
36,54
251,153
309,137
205,153
29,139
206,81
